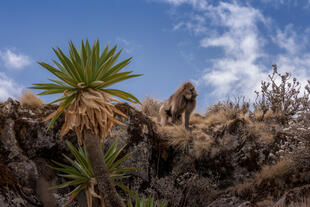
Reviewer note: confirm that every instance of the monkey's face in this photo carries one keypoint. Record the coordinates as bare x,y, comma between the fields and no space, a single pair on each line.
191,93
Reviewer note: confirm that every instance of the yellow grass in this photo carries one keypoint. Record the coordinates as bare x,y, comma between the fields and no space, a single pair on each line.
30,99
261,130
223,115
201,144
150,106
177,136
220,117
279,169
268,172
304,202
265,203
269,115
258,115
196,119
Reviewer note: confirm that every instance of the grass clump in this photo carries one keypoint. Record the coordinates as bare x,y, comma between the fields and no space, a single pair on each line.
31,100
221,114
176,136
150,106
275,173
197,142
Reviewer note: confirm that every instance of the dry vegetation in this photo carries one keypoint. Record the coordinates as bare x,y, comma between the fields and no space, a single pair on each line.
262,130
219,117
304,202
31,100
176,136
275,174
280,103
196,142
282,96
150,107
278,170
222,114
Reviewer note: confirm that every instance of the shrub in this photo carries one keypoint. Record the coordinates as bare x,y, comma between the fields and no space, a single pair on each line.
282,96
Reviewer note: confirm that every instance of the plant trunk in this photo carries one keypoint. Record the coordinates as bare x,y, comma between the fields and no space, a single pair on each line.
101,172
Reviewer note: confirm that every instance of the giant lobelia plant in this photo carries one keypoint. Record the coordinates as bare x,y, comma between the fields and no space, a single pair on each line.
79,171
84,77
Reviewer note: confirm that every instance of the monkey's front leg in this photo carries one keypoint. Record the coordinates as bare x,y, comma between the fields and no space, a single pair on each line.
186,123
174,118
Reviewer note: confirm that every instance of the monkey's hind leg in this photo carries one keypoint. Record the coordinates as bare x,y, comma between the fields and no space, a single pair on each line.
163,116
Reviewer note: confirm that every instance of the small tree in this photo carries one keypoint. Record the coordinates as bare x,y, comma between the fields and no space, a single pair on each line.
282,97
83,78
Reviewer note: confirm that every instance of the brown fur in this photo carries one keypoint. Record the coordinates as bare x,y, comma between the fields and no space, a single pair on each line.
183,100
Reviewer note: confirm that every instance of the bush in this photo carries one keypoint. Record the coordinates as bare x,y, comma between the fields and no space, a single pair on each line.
282,96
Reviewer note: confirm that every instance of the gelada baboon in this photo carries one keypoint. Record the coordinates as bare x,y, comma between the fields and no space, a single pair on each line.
183,100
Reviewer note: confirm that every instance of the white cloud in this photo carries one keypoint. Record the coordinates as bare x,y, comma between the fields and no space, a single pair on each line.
198,4
196,24
290,40
277,4
9,88
14,60
296,59
237,72
236,28
129,46
297,65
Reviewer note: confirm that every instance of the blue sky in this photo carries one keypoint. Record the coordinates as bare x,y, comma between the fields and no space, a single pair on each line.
225,47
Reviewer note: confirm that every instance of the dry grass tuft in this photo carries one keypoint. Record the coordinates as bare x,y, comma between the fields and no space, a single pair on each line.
30,99
221,114
244,188
265,132
278,170
196,119
258,115
150,106
269,116
202,144
265,203
218,118
304,202
269,172
198,142
198,122
176,136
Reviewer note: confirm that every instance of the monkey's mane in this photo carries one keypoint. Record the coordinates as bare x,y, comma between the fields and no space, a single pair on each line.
179,95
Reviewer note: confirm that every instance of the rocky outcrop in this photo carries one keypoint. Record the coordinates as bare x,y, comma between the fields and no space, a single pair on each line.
214,179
